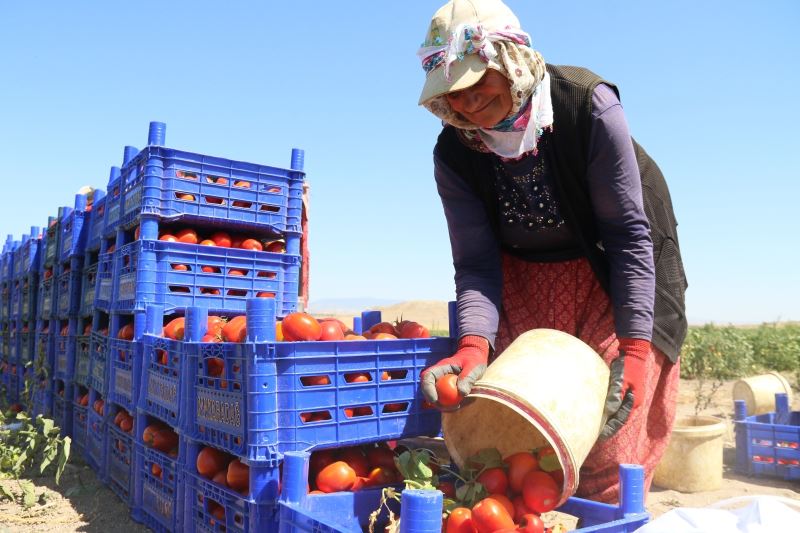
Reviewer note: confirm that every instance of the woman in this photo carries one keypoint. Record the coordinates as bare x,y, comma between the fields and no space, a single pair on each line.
557,219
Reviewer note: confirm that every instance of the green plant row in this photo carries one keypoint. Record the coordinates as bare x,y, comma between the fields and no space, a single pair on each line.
730,352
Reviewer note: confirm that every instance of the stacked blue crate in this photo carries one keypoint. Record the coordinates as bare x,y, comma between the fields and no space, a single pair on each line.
768,445
8,319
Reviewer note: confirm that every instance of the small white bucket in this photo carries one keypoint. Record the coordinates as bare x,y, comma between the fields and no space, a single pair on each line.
758,392
548,387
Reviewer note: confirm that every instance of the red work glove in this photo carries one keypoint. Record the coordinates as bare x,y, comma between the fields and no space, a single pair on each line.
626,384
469,362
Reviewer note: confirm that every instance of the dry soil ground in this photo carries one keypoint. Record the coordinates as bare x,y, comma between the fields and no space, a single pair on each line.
82,503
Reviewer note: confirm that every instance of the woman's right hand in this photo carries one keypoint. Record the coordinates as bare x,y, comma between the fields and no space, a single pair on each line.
468,363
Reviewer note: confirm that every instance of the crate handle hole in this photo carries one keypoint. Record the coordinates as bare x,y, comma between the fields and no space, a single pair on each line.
185,196
218,180
315,416
211,291
356,412
399,407
210,269
241,204
185,175
391,375
180,267
215,200
241,184
237,292
267,274
179,289
270,208
315,381
358,377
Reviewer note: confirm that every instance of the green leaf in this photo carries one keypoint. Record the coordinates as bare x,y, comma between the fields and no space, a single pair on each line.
6,494
486,458
63,458
28,494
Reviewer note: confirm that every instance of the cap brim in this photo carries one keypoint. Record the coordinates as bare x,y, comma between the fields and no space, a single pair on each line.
463,73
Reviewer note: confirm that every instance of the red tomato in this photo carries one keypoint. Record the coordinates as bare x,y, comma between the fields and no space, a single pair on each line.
447,391
531,523
252,244
210,269
264,294
235,330
235,272
175,328
207,242
125,332
277,247
182,268
165,439
520,509
519,464
221,477
460,521
222,239
381,476
489,515
448,488
315,381
319,460
384,327
301,327
238,477
503,499
137,233
336,477
216,366
126,424
166,237
357,377
210,461
215,325
241,183
188,235
413,330
494,480
380,456
356,459
540,492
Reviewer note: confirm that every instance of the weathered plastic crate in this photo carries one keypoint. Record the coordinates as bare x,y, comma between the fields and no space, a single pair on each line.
768,444
255,511
88,285
65,350
121,457
161,393
113,199
124,360
146,275
72,228
27,299
159,493
26,257
80,421
26,342
98,353
263,402
97,437
172,184
83,342
104,285
47,299
62,406
43,398
69,290
421,511
96,221
51,238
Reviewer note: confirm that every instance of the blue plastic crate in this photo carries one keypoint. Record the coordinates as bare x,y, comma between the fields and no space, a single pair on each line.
44,347
173,184
202,497
43,399
146,275
161,389
28,295
80,420
62,406
47,299
260,405
96,437
88,286
113,198
69,293
768,444
51,236
421,511
26,257
5,303
26,345
65,350
125,363
72,227
96,222
104,287
83,359
98,360
121,460
159,489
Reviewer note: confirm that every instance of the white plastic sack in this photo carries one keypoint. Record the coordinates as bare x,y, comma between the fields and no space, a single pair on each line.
764,514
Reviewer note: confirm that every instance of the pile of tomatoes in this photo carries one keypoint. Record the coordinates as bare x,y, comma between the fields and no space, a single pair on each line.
223,469
517,491
161,437
352,468
221,239
124,421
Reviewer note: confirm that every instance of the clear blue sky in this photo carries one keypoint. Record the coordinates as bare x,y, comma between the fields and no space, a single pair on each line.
710,90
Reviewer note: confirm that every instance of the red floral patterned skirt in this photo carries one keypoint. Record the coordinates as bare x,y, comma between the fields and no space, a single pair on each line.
568,297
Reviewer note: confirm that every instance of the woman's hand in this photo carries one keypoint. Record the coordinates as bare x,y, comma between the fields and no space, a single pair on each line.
469,363
626,384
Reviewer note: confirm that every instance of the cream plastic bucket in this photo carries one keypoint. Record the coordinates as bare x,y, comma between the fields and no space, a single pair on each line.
548,387
693,459
758,392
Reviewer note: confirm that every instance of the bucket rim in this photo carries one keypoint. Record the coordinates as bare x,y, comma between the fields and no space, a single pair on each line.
710,426
545,428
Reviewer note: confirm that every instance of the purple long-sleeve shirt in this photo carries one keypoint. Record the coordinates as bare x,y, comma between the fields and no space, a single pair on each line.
531,223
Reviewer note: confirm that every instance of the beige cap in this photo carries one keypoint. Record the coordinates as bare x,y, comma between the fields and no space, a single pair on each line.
460,29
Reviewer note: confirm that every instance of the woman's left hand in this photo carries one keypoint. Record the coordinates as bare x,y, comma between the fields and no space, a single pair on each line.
626,385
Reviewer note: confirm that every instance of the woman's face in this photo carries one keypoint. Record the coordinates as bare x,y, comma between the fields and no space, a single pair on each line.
486,103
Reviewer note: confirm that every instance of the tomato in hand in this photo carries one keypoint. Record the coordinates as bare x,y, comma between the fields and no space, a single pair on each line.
519,464
336,477
494,480
300,327
489,515
447,391
460,521
540,492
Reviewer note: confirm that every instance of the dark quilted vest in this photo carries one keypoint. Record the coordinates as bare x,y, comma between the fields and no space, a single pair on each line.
572,89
